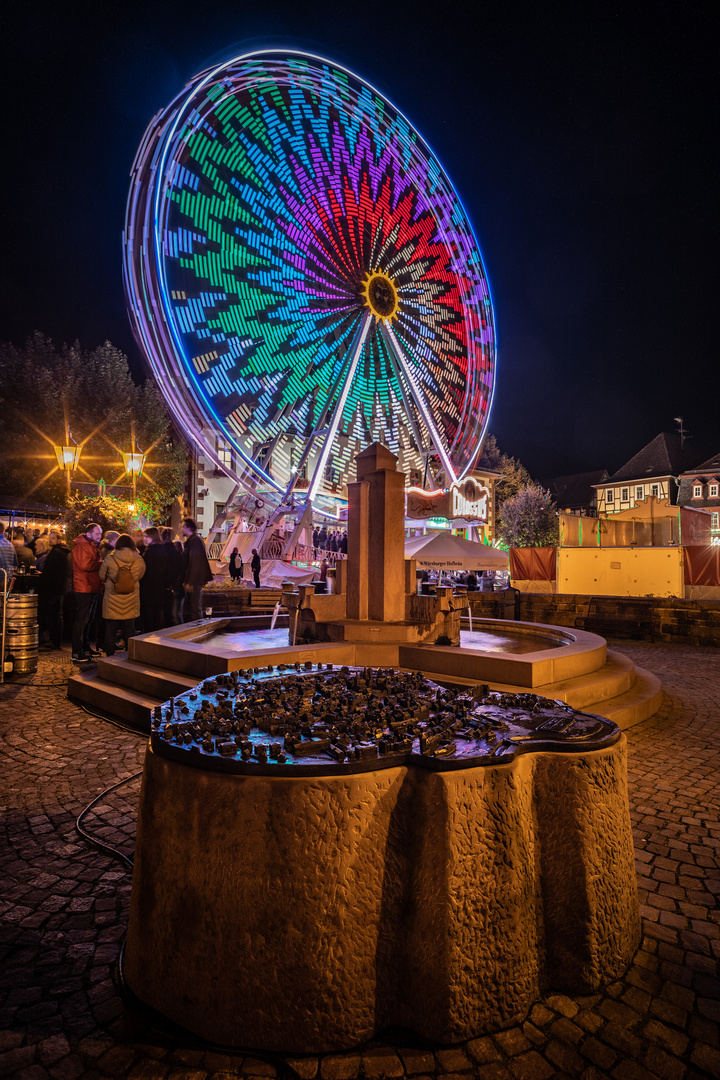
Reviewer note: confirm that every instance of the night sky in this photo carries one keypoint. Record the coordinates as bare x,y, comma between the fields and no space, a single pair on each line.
581,137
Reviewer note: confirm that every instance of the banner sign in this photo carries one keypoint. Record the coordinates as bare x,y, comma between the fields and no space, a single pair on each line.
468,499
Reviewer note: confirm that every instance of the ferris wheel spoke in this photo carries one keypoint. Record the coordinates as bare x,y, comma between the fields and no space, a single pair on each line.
344,389
419,399
406,398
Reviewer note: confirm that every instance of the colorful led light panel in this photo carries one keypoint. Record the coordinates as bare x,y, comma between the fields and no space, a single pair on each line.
261,200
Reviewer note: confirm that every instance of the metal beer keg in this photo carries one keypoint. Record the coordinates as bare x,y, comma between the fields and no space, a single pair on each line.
22,633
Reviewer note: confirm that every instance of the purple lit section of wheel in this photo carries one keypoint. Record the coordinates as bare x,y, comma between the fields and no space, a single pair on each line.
303,279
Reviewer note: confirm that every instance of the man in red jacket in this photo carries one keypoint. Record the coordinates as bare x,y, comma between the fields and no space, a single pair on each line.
86,563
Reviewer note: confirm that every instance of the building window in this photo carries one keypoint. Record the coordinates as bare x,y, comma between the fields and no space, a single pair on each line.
715,521
609,495
225,454
262,457
713,491
639,493
697,491
624,495
655,490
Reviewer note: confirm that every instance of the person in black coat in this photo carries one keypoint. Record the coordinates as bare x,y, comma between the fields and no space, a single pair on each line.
54,581
154,581
172,599
236,565
255,566
196,571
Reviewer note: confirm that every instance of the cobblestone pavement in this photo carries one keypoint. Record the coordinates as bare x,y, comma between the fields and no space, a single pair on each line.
64,904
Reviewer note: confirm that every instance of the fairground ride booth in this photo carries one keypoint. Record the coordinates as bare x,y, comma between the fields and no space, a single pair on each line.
652,549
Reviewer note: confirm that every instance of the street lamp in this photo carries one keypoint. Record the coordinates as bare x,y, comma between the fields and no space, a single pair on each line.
68,457
134,463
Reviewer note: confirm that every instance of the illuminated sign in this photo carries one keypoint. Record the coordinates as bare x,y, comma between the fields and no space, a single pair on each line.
423,505
468,499
300,273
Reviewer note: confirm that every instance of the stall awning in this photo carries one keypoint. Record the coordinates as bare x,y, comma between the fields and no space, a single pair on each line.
443,551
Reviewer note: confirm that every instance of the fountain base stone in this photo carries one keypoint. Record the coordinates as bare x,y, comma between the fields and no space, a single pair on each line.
309,913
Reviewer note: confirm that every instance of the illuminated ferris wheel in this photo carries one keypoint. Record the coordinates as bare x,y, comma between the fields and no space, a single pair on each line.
304,280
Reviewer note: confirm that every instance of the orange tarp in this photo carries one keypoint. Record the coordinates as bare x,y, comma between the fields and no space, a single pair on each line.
533,564
702,565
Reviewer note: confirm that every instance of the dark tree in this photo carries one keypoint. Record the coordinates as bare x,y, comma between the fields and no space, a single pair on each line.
51,395
529,519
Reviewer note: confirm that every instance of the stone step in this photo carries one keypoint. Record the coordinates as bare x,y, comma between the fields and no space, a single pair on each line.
109,699
616,677
144,678
637,704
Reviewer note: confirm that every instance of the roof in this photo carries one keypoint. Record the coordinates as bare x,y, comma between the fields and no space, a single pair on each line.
712,465
17,505
664,456
576,491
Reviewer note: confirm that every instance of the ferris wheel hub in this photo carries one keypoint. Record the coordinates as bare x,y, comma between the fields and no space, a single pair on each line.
381,295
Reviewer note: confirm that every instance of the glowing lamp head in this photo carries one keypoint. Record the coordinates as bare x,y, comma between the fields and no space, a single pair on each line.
68,457
134,463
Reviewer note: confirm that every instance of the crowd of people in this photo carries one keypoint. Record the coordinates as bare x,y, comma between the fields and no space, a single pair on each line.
329,543
120,584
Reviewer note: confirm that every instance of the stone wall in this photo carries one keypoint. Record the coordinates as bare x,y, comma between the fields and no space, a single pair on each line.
691,622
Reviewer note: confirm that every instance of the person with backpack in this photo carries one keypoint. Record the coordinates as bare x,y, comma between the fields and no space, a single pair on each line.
121,573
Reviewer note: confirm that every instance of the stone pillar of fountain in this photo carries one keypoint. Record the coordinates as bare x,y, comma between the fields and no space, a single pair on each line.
357,560
376,556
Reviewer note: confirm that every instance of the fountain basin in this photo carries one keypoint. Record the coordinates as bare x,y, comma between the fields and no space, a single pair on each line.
499,651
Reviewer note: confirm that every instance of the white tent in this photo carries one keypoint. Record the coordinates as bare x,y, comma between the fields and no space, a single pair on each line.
443,551
273,572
